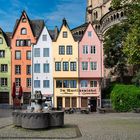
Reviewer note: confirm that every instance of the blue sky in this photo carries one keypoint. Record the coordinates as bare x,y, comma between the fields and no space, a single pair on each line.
52,11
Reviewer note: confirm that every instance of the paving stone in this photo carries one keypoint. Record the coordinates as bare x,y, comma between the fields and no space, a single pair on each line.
94,126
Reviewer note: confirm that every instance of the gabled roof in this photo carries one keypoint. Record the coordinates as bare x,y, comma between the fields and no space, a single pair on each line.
86,31
64,23
7,37
36,25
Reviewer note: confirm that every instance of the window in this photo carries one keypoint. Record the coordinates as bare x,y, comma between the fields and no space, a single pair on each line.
23,31
37,52
28,82
17,43
65,84
36,83
85,49
89,33
17,55
85,66
3,82
46,68
1,40
93,65
65,66
61,50
46,52
57,66
73,84
4,68
44,37
73,66
23,19
2,53
65,34
18,82
36,68
58,83
46,83
26,42
84,83
93,83
28,55
92,50
69,50
17,69
28,68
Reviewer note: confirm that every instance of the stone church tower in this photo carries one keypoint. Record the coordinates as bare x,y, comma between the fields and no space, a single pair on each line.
102,17
96,9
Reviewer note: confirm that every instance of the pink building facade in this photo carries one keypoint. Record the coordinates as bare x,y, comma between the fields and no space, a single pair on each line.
90,69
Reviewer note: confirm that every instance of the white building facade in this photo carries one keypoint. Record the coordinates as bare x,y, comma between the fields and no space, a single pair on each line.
42,79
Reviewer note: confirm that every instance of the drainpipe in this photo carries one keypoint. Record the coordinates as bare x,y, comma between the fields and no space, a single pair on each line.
32,62
101,46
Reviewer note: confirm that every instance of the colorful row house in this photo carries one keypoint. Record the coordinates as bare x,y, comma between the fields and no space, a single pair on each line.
65,69
90,69
5,68
42,66
25,34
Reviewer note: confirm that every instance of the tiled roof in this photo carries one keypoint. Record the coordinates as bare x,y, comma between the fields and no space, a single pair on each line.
36,25
81,26
77,37
6,36
52,34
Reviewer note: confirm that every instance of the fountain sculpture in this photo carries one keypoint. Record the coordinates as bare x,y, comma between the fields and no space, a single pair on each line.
36,117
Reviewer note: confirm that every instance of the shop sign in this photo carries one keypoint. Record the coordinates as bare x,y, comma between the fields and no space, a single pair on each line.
88,91
68,90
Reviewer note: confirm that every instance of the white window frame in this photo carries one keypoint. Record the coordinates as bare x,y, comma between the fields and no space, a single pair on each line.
85,49
84,66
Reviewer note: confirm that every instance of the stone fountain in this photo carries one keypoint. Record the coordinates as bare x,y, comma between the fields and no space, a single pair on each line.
36,117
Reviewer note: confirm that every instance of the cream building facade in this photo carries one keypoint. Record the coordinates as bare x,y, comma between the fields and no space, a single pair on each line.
65,69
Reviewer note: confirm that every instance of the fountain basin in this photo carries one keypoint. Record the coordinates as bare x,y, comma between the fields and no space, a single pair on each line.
17,118
39,120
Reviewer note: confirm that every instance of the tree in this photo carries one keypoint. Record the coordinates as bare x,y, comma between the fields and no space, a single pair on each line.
113,49
131,43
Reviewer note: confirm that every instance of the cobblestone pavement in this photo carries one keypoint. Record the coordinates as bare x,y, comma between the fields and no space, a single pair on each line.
111,126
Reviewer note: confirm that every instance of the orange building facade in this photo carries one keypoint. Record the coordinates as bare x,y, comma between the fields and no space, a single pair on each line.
24,36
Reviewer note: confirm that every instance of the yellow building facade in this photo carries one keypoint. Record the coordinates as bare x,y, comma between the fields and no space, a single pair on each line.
65,69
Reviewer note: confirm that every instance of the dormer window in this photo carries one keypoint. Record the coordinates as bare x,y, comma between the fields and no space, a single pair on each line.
65,34
23,19
23,31
1,40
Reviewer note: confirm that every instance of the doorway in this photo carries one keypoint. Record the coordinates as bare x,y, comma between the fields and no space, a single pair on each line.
93,104
59,102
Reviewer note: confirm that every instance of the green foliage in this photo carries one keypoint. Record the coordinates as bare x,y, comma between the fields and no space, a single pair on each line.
131,42
136,79
117,4
113,49
125,97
